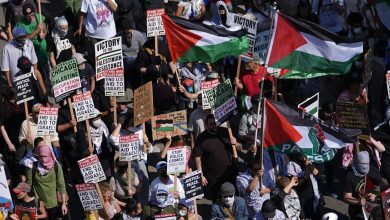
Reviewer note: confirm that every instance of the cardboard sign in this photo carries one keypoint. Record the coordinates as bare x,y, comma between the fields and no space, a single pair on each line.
89,196
129,147
174,123
143,104
5,195
84,107
353,116
192,183
388,84
206,86
385,195
47,121
109,58
154,24
261,43
176,160
23,86
25,213
65,79
222,101
251,27
91,169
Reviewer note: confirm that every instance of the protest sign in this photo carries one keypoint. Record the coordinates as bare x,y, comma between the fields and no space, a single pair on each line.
174,123
176,160
47,121
165,217
23,86
91,169
5,195
261,43
192,183
251,27
89,196
143,103
114,85
388,84
353,116
154,24
129,147
311,105
109,58
206,86
25,213
65,79
385,195
84,107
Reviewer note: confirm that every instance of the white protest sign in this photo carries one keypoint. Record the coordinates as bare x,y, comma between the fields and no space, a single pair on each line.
109,58
84,107
47,121
176,160
251,27
5,195
206,86
154,24
91,169
165,217
129,147
89,196
261,43
114,85
23,86
388,84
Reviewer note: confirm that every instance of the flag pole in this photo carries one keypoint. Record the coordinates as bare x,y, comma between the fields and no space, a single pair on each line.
237,74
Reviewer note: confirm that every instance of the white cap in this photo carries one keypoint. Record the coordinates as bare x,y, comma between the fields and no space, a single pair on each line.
330,216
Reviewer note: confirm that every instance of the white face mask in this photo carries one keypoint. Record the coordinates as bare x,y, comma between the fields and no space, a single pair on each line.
98,123
357,30
228,201
182,213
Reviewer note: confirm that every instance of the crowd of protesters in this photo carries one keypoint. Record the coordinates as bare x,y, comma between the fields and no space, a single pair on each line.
42,172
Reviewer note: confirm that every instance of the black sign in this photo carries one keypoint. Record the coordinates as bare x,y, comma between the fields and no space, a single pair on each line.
352,116
193,185
23,87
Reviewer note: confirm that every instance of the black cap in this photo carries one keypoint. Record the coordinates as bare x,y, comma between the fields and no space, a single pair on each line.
268,209
24,64
28,8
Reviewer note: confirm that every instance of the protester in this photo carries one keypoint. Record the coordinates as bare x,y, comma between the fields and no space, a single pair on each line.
269,211
132,210
86,72
196,122
192,10
111,208
184,211
14,13
286,199
119,182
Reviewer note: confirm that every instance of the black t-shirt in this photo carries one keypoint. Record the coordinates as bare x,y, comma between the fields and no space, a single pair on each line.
215,152
355,185
62,49
11,117
164,99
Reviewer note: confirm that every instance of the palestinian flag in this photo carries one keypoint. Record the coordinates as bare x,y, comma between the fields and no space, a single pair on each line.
290,131
311,105
189,41
307,50
164,125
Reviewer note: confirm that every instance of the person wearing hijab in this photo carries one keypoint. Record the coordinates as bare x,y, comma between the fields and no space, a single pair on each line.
45,178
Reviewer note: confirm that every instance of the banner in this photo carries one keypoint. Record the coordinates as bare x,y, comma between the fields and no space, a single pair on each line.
353,116
262,40
251,27
25,213
129,147
91,169
154,24
47,121
174,123
206,86
311,105
65,79
192,183
143,103
5,195
109,59
23,86
84,107
176,160
89,196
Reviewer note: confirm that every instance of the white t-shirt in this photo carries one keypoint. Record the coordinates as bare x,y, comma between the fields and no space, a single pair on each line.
99,20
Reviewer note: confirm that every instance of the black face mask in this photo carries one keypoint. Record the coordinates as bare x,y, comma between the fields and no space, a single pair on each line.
164,175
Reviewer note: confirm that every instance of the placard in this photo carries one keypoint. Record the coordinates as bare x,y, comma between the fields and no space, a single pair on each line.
388,84
23,86
251,27
129,147
353,116
154,23
65,79
109,58
47,121
206,86
174,123
385,195
165,217
221,113
84,107
192,183
143,104
114,85
25,213
91,169
176,160
5,195
261,43
89,196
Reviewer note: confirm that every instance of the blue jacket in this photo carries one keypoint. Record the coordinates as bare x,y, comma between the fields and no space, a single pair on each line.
240,210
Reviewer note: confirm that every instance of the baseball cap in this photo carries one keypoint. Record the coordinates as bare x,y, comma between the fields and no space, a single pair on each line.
22,187
256,59
28,8
268,209
19,31
79,58
24,64
227,189
161,165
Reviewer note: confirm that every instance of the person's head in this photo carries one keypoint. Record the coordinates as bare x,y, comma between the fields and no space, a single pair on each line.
10,95
45,155
177,141
21,190
24,64
106,191
327,111
121,166
161,197
162,169
188,65
355,21
133,207
211,126
97,122
361,163
253,64
222,12
123,102
19,35
35,111
182,208
268,210
283,182
257,4
255,103
61,25
254,165
227,192
128,26
29,12
80,60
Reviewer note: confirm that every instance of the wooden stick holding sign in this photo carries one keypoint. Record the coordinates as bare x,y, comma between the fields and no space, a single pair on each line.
129,179
196,209
27,120
237,74
72,113
90,147
40,12
115,111
231,136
